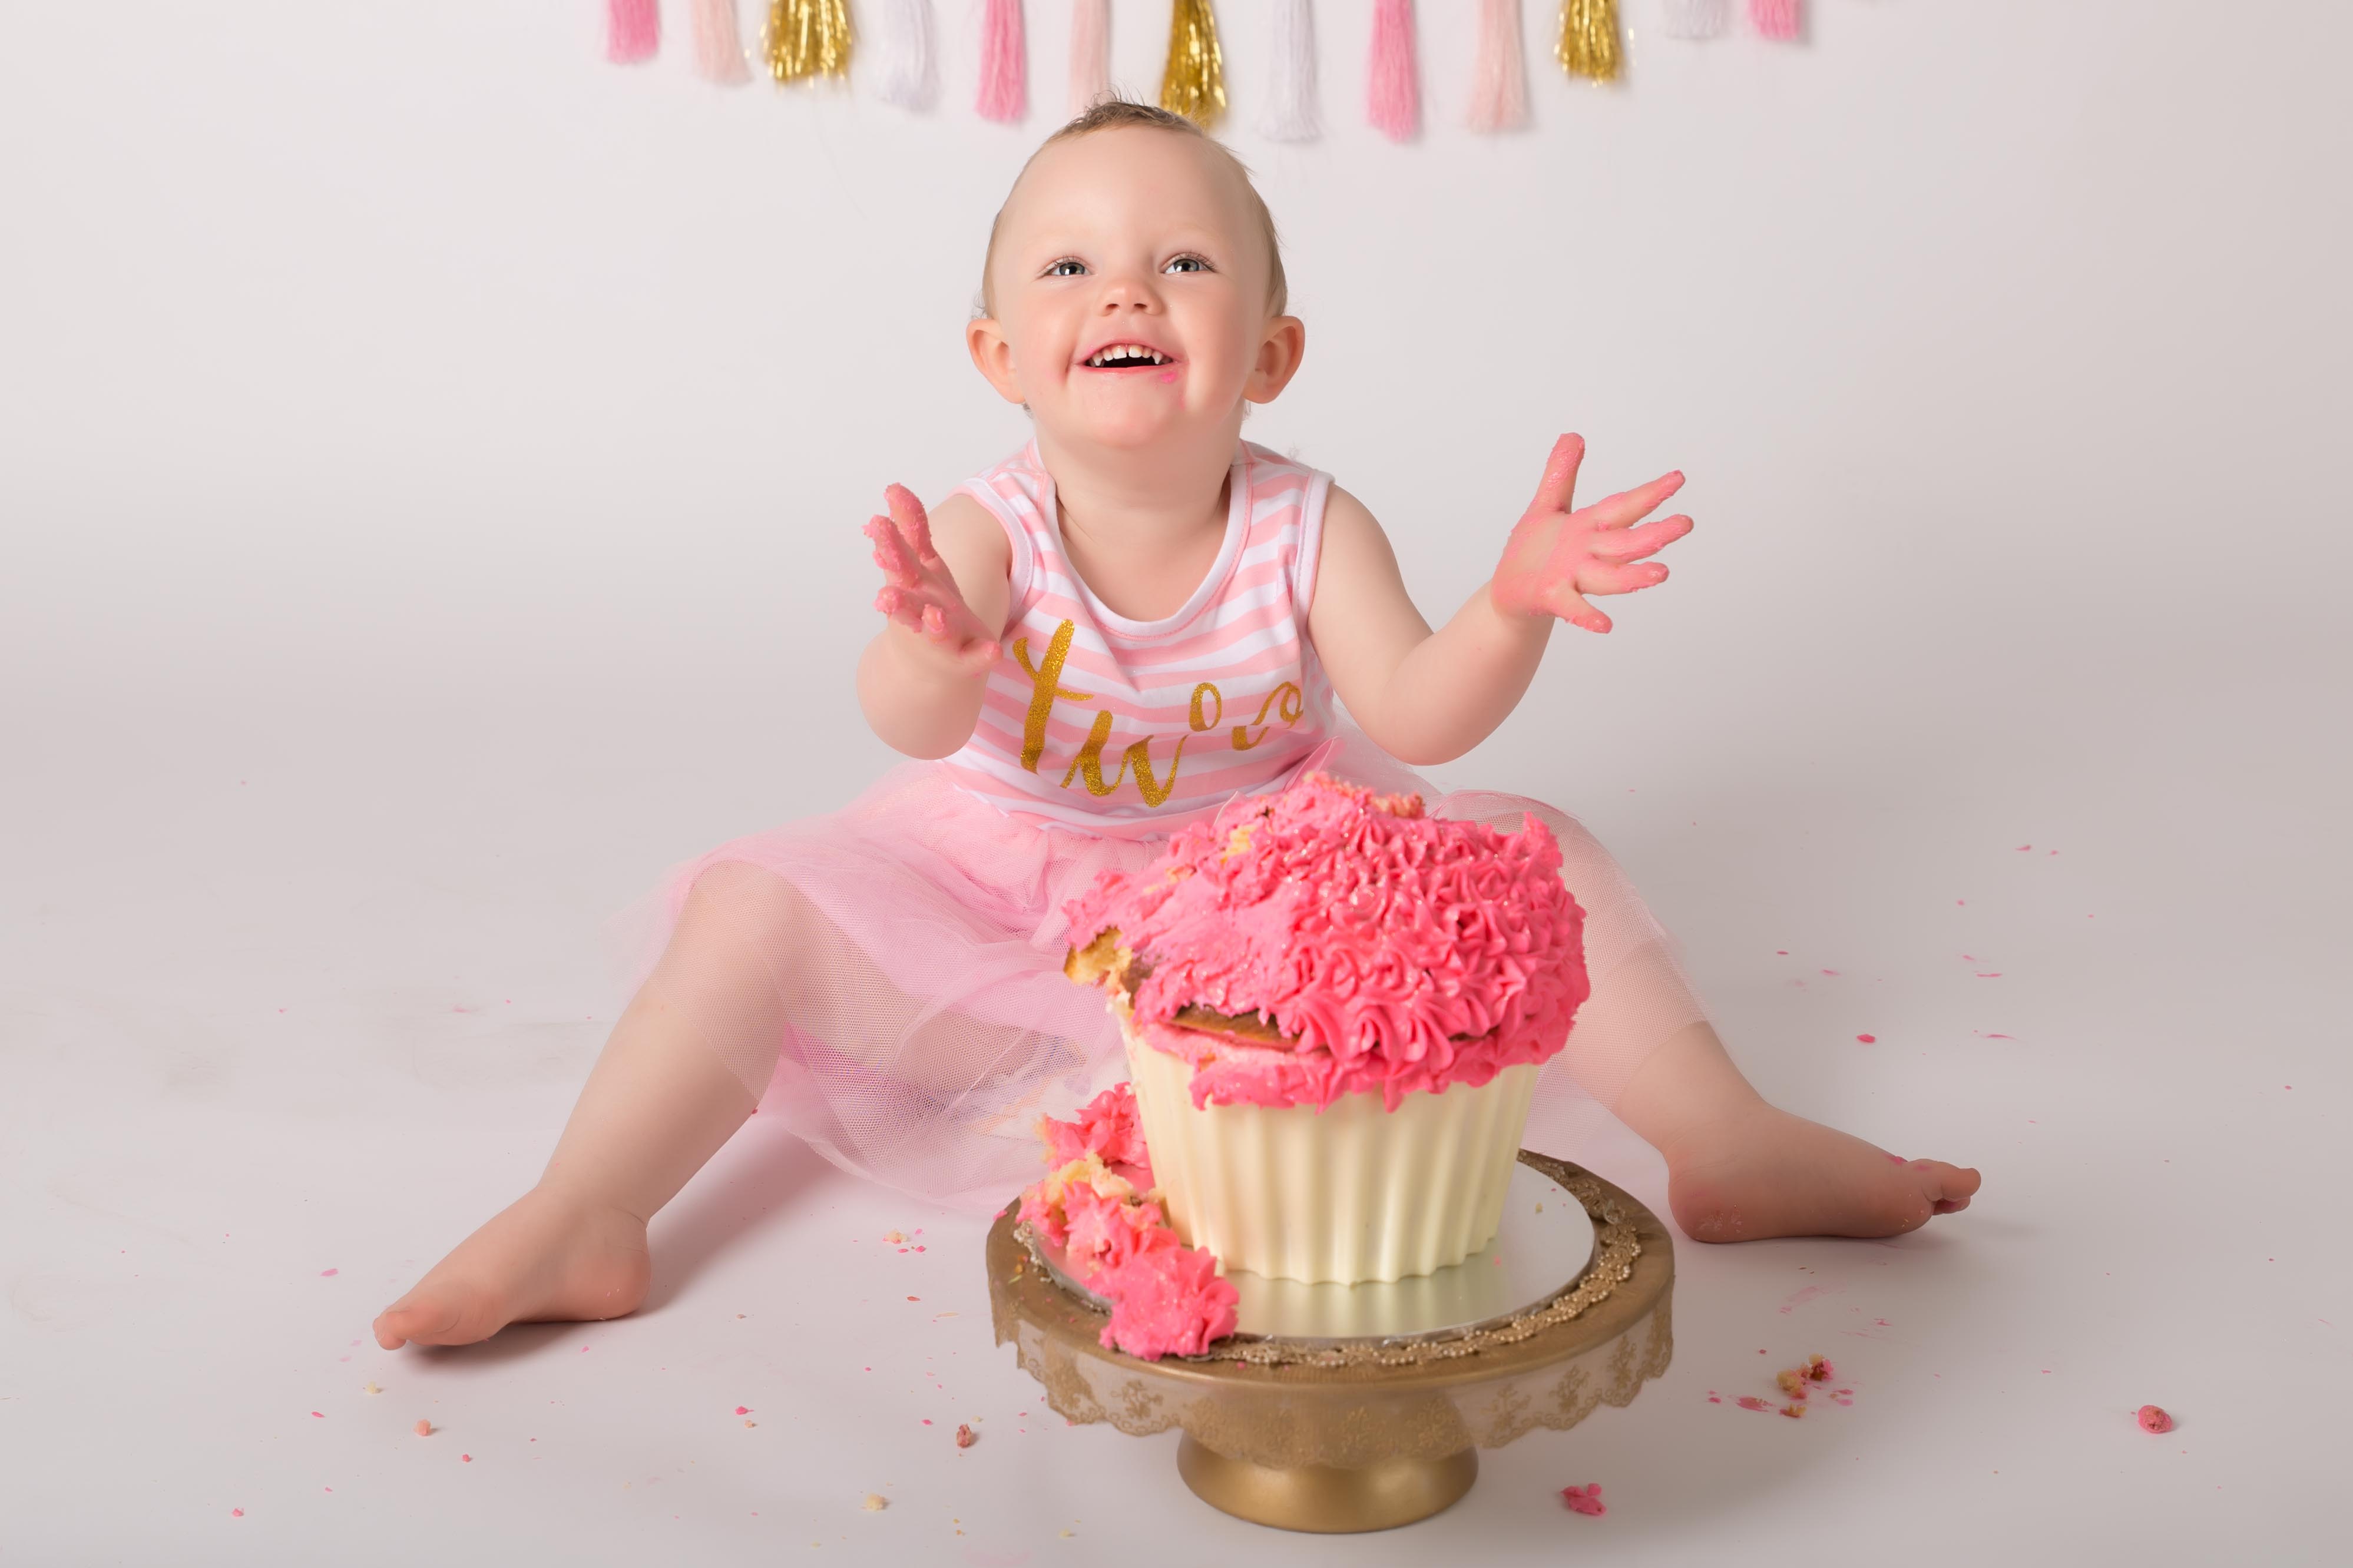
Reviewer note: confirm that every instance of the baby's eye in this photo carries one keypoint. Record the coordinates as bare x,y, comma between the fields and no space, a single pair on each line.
1072,262
1189,263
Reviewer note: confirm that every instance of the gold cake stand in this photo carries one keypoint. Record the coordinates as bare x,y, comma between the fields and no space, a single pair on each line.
1366,1434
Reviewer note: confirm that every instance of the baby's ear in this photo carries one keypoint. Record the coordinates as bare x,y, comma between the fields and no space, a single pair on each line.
984,339
1279,353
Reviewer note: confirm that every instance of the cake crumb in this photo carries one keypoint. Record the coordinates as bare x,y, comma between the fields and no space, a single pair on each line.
370,1388
423,1428
751,1423
893,1237
2153,1418
1792,1382
1584,1500
875,1502
1793,1412
965,1438
1750,1402
1819,1370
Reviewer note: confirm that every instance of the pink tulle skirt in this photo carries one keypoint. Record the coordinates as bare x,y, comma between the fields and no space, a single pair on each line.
887,978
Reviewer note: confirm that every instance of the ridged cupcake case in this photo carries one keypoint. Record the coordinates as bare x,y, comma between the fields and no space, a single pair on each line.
1349,1194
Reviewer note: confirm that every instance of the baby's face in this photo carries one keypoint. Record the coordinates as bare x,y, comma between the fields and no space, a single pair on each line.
1143,238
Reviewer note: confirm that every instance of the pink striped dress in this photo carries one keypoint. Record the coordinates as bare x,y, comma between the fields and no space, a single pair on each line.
886,978
1132,729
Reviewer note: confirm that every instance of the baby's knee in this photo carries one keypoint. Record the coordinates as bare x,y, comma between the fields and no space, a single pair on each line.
746,903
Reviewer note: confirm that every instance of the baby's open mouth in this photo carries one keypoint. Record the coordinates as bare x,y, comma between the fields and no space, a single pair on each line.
1125,356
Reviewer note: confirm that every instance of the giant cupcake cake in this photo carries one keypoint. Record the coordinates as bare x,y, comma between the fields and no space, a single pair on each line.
1334,1008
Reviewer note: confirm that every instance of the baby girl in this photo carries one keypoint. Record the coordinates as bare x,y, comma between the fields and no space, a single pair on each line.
1124,624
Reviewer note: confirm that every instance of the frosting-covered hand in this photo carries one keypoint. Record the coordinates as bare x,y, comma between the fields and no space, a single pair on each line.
1555,556
919,593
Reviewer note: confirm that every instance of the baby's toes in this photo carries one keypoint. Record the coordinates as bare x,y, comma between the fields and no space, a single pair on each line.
439,1318
1948,1188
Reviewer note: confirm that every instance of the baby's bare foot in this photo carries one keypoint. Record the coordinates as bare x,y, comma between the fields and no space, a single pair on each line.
1762,1173
548,1256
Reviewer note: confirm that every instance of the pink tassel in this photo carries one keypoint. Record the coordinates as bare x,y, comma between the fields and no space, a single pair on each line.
1003,63
1391,102
1499,99
718,46
1776,19
1090,52
632,30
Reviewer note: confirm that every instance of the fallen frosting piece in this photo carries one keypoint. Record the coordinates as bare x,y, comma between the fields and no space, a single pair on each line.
2152,1419
1348,943
1107,1125
1166,1298
1584,1500
875,1502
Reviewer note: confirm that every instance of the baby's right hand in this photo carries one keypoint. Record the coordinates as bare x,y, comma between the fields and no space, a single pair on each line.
919,594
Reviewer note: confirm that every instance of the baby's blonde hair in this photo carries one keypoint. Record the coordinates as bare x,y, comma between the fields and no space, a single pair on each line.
1113,113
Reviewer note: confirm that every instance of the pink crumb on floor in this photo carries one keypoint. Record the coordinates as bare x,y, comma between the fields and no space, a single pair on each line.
1586,1501
2023,847
743,1410
465,1458
236,1513
328,1273
1780,953
423,1428
1868,1039
320,1414
1750,1402
965,1438
1829,972
2152,1419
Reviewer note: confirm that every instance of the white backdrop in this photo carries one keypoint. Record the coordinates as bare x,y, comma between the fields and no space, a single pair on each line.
431,462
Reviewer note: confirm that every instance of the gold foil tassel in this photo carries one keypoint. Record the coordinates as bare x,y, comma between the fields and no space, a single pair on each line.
808,37
1588,39
1195,83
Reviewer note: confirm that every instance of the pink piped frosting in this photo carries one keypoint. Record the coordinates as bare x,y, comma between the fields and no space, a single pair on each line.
1395,951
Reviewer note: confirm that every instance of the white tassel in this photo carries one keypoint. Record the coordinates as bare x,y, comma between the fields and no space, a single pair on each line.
718,45
1090,52
1291,113
1693,18
910,75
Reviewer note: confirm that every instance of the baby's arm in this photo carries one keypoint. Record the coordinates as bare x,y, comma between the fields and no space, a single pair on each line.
1428,696
920,680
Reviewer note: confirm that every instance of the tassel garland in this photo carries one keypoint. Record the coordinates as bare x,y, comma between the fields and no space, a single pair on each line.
809,38
1694,19
1391,101
1290,114
910,75
718,46
1775,19
1499,99
1003,63
1194,84
1090,52
1588,39
632,30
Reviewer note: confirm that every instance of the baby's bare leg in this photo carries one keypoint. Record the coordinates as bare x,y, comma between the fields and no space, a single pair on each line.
672,1084
1738,1169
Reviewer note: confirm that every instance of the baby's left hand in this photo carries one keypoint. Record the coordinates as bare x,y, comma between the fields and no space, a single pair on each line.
1555,556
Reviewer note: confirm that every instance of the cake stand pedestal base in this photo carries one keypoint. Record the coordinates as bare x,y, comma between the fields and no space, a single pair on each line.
1326,1497
1355,1435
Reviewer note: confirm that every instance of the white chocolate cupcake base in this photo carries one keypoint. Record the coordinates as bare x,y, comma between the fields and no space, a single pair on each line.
1350,1194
